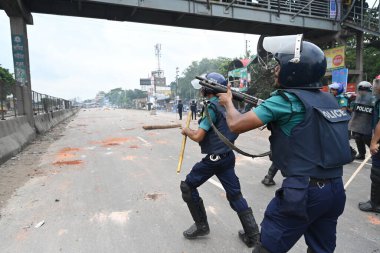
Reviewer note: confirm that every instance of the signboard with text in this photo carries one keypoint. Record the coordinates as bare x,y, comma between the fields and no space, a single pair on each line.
340,76
19,58
335,58
145,81
160,81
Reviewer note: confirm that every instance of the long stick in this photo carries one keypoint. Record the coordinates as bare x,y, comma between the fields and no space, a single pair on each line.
183,145
356,172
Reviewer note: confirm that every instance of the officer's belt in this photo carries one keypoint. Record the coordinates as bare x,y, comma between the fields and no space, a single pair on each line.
319,181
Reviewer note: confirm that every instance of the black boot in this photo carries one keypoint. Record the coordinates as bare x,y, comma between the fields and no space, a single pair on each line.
260,249
353,154
200,227
268,179
373,205
251,234
359,157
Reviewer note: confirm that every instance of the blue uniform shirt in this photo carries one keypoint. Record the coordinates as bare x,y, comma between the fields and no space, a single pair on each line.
342,100
277,109
204,124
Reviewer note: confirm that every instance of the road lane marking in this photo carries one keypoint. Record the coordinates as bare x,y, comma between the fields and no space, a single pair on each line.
217,184
361,162
146,143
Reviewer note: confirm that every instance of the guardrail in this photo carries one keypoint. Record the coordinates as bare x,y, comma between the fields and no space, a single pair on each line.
41,103
8,101
316,8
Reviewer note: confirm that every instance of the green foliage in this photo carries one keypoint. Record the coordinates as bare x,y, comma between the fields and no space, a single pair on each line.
123,98
185,89
262,81
8,82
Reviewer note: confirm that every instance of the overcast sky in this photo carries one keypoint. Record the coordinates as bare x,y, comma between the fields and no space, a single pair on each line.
77,57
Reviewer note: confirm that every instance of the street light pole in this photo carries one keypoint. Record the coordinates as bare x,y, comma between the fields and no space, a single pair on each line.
176,76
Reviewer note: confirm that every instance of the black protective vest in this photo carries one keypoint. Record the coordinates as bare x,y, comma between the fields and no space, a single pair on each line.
318,146
361,121
211,143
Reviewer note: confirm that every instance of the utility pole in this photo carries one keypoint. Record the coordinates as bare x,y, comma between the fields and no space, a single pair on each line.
246,49
176,77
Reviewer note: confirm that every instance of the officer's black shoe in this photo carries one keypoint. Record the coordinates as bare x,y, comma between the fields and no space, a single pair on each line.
359,157
369,207
251,234
268,181
373,205
353,154
260,249
197,229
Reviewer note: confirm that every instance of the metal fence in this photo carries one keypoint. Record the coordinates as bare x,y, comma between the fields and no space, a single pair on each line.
41,103
317,8
8,101
367,18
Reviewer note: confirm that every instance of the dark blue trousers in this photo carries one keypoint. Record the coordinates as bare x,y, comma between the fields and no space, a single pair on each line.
224,169
324,204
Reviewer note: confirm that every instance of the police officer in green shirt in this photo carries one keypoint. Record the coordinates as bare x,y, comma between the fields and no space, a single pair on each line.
309,145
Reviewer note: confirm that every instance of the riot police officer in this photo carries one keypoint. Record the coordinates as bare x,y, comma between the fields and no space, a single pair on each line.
337,89
361,121
219,161
303,121
373,205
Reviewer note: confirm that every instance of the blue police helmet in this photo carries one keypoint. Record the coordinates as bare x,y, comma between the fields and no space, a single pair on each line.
305,74
337,86
216,77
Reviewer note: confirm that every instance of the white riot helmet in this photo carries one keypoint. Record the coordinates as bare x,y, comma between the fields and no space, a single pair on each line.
365,86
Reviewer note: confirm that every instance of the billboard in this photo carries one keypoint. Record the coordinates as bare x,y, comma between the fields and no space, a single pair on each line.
335,58
145,81
160,81
240,78
340,76
19,58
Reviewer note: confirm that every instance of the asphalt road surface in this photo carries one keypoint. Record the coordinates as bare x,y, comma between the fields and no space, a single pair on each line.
100,183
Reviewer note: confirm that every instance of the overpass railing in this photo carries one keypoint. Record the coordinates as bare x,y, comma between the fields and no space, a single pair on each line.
365,18
317,8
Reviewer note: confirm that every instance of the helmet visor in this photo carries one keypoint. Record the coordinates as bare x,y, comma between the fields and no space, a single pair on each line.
267,47
195,82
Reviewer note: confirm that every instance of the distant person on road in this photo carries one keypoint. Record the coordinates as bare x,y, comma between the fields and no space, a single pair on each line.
361,121
193,108
219,161
337,89
180,109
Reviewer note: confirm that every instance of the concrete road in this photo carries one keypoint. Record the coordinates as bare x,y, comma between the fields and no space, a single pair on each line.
107,185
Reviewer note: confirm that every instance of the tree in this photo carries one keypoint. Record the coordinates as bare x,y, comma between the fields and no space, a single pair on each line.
185,89
8,83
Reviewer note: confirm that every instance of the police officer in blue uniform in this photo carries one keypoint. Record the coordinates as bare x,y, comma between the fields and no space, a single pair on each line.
219,161
309,145
373,204
361,122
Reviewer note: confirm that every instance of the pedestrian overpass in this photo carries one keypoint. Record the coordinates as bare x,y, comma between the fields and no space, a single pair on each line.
319,21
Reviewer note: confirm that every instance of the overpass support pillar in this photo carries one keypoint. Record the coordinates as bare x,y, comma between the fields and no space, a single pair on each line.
359,55
20,50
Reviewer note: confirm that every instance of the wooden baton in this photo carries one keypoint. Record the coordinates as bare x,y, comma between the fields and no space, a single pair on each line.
183,144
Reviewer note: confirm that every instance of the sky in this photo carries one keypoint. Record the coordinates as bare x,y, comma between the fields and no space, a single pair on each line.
77,57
